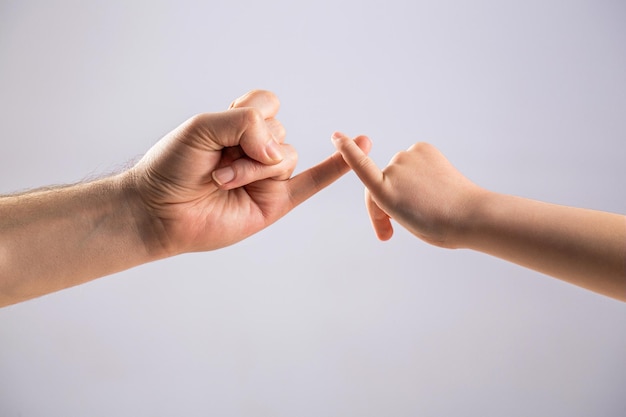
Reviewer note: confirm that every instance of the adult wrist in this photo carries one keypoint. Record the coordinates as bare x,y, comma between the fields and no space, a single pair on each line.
146,225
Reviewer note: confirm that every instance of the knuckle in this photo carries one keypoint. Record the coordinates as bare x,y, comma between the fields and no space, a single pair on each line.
265,95
256,92
277,128
399,157
196,120
240,101
255,96
282,132
285,168
291,155
245,170
193,128
251,117
420,147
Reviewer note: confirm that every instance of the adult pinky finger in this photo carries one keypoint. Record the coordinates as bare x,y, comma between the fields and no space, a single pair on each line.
314,179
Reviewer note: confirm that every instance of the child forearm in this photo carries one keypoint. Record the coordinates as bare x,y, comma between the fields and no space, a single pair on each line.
584,247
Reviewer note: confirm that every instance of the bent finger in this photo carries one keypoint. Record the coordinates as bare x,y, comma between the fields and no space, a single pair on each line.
244,171
277,129
381,221
309,182
362,165
264,101
243,127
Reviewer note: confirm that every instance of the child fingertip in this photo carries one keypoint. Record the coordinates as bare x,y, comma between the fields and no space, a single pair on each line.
337,136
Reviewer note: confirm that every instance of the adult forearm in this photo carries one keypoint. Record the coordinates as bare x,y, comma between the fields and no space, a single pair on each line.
584,247
58,238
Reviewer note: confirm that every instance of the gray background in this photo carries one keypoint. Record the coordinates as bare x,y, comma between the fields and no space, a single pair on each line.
314,316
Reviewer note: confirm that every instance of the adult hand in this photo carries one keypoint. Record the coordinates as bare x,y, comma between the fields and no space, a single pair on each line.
213,181
220,177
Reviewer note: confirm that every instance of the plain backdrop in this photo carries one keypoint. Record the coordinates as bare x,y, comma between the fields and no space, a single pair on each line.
314,316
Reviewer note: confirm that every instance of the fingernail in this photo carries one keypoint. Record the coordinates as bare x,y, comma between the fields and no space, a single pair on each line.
273,151
337,136
223,175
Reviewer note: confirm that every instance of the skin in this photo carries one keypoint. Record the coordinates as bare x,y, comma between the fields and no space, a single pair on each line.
423,192
213,181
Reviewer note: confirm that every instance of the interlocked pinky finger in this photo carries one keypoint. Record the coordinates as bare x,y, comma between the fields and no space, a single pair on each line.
245,170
